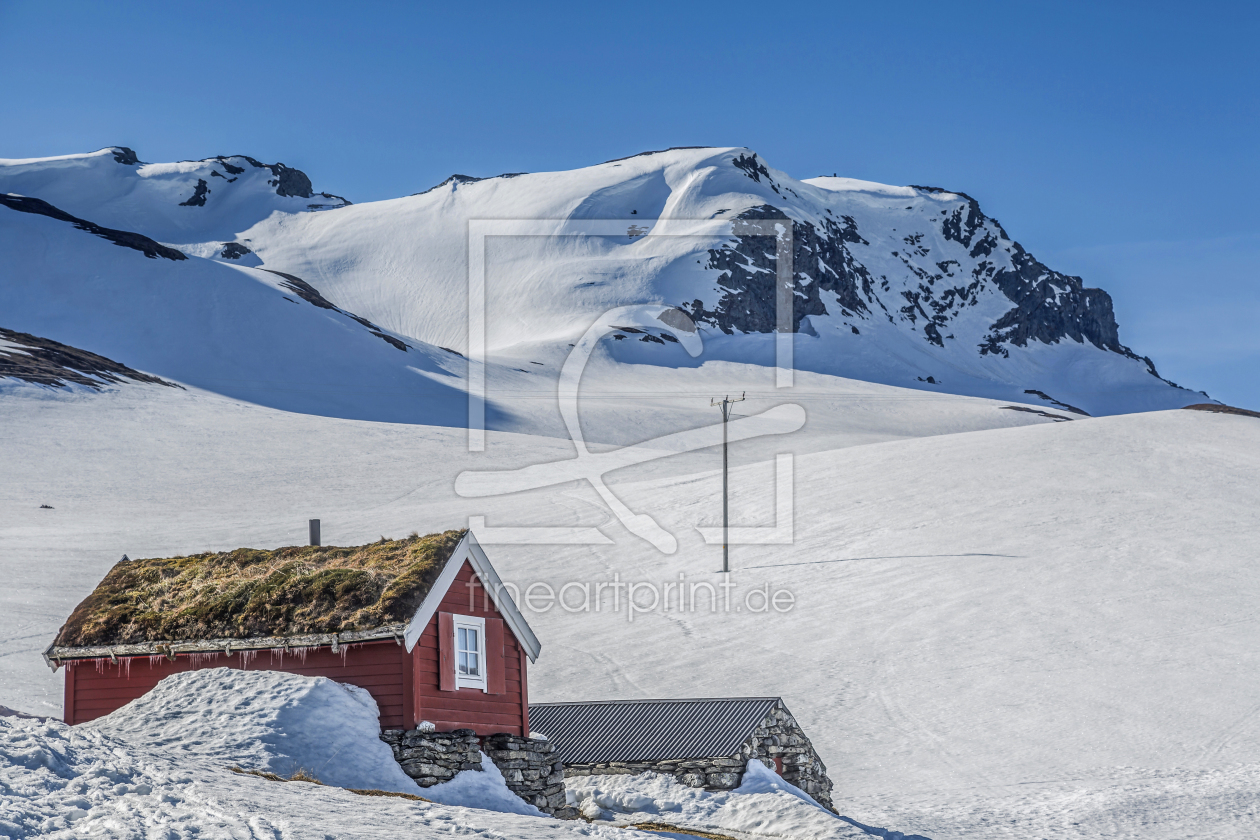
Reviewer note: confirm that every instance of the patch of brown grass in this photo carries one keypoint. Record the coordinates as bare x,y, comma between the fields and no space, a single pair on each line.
1222,409
410,796
299,775
254,592
303,775
695,832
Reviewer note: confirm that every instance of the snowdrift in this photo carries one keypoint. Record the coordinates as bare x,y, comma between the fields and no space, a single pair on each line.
287,724
763,804
263,720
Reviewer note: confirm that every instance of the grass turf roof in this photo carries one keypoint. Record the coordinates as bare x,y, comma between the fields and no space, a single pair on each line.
249,592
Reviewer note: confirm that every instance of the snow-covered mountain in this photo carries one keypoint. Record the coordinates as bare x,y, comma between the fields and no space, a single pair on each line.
906,286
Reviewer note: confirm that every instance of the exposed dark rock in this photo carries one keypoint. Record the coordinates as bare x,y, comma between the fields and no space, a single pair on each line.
123,238
1223,409
1052,400
389,339
755,169
125,156
344,202
234,251
291,182
822,264
1050,306
1047,306
1058,418
311,295
47,362
231,168
198,198
657,152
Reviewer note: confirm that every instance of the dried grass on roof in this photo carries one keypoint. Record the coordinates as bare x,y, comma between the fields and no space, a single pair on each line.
250,593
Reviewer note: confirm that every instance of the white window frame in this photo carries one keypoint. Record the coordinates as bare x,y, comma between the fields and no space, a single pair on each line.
470,623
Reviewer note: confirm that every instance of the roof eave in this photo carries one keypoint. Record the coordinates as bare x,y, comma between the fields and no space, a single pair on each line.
54,655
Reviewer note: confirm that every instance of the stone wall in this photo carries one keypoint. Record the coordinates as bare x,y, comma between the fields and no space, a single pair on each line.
432,757
529,766
532,771
778,736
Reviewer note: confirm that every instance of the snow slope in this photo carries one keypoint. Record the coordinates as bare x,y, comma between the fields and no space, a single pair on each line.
189,201
242,332
1050,624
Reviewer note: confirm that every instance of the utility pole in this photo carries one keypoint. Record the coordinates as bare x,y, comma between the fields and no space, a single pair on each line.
725,404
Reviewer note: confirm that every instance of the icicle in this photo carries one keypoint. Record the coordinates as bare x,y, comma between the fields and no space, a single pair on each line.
127,667
199,660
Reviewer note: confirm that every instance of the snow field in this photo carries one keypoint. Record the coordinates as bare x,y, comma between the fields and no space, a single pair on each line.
1023,609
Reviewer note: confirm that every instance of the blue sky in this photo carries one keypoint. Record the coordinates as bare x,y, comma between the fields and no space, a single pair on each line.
1116,141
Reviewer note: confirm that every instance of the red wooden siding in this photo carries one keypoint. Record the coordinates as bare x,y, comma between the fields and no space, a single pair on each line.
469,708
406,687
97,687
496,682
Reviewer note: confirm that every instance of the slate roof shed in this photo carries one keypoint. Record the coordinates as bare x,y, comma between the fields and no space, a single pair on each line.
702,742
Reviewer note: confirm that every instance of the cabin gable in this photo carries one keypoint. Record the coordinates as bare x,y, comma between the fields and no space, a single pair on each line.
482,710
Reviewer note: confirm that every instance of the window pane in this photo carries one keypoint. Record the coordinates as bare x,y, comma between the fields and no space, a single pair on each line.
473,669
463,662
461,639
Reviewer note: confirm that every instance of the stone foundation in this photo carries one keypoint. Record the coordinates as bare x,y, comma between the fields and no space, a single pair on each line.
529,766
532,771
433,757
778,736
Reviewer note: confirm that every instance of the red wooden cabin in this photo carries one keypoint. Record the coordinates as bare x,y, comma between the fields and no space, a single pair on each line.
458,660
